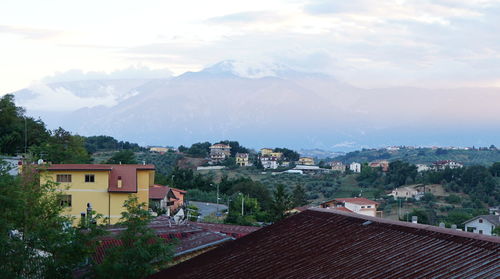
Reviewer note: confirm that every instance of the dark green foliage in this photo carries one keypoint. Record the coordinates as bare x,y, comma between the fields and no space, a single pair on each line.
252,189
399,172
46,246
187,179
62,148
142,252
244,210
453,199
281,203
289,154
235,147
14,124
495,169
107,143
299,197
200,149
123,157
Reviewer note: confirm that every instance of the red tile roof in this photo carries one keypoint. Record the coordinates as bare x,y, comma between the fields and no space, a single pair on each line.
79,167
341,209
361,201
158,192
231,230
322,243
190,237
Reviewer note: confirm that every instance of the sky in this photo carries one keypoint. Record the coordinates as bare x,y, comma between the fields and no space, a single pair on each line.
383,43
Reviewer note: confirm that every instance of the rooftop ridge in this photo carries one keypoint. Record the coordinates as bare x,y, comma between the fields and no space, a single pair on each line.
424,227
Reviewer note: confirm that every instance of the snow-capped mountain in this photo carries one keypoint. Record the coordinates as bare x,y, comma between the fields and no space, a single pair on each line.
269,105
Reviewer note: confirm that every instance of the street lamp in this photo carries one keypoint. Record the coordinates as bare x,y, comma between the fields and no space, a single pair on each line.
242,204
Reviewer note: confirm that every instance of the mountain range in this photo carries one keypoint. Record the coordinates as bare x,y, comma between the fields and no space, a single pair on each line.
272,106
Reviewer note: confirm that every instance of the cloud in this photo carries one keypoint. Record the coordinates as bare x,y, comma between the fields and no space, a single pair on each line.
245,17
128,73
49,98
344,144
30,33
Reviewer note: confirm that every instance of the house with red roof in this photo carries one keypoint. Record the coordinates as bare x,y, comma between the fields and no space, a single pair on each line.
362,206
166,198
104,187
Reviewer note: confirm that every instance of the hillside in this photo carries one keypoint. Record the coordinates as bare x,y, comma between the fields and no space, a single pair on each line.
286,107
424,156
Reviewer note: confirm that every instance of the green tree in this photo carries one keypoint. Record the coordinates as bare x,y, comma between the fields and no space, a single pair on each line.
37,240
63,147
299,197
289,154
16,129
495,169
281,203
141,251
122,157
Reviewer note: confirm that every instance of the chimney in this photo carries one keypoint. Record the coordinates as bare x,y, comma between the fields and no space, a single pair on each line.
441,225
453,227
414,219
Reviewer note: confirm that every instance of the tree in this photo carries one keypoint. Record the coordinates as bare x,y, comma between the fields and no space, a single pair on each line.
288,154
63,147
16,129
281,203
200,149
495,169
235,147
122,157
37,240
141,251
299,196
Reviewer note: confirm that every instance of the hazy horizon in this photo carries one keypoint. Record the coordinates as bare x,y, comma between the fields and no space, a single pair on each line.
334,75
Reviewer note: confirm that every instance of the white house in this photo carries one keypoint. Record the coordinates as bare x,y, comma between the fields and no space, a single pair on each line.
269,162
406,192
12,164
422,167
483,224
357,205
355,167
441,165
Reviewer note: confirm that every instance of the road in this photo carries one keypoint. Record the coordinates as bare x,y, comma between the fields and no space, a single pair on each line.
206,208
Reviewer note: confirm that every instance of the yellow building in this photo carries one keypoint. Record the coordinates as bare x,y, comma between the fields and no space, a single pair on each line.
278,155
106,187
266,151
242,159
308,161
158,149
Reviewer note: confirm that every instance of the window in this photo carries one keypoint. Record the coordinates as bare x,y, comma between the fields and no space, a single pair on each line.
63,178
362,206
89,178
480,231
369,206
65,200
480,220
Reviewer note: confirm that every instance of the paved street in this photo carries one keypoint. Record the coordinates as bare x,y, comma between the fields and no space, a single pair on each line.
207,208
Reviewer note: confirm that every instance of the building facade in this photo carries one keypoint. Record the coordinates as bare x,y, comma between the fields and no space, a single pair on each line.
219,152
355,167
242,159
308,161
105,187
483,224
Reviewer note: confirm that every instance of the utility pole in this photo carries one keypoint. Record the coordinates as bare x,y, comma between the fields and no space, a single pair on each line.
25,136
217,214
242,204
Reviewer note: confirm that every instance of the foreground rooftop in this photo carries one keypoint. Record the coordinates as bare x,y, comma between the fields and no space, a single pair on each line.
320,243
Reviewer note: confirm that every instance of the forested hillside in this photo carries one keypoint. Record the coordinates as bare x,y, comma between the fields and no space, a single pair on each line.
472,156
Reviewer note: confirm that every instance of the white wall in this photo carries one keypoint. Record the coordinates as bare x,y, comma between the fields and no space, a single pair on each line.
486,227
